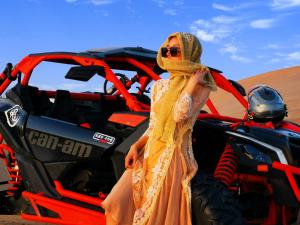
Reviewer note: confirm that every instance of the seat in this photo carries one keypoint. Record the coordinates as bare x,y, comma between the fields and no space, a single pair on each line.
65,109
30,99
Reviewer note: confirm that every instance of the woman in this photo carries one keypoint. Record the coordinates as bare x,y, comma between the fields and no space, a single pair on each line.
155,188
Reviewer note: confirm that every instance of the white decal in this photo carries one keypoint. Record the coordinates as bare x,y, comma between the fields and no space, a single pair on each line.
103,138
13,115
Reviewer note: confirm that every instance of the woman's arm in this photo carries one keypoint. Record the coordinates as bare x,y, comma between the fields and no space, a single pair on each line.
195,82
140,143
192,98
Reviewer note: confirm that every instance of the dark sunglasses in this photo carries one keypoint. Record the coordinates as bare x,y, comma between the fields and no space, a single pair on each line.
173,51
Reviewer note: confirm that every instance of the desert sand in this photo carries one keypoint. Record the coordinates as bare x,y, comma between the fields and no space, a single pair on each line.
16,220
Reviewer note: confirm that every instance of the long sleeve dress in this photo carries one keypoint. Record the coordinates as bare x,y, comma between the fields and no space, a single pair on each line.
157,190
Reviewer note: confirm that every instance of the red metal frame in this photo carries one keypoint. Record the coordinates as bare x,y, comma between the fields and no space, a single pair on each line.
27,65
66,211
289,126
68,214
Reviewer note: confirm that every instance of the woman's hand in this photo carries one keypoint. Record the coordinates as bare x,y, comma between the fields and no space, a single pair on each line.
198,77
195,80
131,157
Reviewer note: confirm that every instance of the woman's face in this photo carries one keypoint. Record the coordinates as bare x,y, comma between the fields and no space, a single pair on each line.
174,42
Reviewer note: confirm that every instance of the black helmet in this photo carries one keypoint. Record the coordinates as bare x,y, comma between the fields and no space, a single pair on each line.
265,104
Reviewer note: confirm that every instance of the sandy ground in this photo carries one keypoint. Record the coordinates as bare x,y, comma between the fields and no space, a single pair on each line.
16,220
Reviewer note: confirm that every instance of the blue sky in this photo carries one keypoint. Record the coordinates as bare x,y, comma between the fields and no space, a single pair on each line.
241,38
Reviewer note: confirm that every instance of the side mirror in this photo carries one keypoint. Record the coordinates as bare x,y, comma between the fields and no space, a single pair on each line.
84,73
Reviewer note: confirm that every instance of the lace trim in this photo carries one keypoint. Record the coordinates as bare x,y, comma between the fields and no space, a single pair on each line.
137,175
162,86
151,124
146,153
183,108
186,184
159,172
158,89
190,147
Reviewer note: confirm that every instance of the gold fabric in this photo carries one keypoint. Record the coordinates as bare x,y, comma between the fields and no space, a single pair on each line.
180,72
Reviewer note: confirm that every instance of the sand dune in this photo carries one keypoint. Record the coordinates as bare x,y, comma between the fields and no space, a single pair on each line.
286,81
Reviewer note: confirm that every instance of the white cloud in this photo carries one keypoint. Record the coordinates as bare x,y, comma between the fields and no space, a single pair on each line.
229,48
170,12
233,50
94,2
100,2
222,7
284,4
240,58
227,8
215,29
262,23
204,36
272,46
293,56
261,56
275,60
203,23
281,57
130,7
178,3
160,3
225,19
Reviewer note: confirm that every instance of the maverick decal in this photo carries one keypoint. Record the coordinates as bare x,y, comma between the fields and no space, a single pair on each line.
104,138
13,115
59,144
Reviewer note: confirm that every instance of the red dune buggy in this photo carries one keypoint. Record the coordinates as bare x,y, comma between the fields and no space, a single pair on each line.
64,150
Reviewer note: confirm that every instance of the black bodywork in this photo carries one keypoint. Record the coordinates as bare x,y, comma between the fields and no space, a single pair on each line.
50,149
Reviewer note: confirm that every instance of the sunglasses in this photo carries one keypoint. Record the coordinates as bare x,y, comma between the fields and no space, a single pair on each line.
173,51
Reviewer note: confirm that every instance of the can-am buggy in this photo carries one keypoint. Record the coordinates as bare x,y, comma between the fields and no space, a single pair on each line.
64,150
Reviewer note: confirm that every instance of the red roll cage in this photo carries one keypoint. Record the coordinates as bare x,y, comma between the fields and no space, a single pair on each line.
30,62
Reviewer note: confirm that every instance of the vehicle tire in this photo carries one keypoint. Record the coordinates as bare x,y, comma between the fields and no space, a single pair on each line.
213,203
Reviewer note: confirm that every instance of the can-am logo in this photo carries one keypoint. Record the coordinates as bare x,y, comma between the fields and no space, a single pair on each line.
13,115
103,138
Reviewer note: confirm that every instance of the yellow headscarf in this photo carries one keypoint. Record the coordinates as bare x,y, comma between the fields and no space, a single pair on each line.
180,72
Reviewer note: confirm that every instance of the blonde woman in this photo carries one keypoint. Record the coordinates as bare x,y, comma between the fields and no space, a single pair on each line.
155,188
